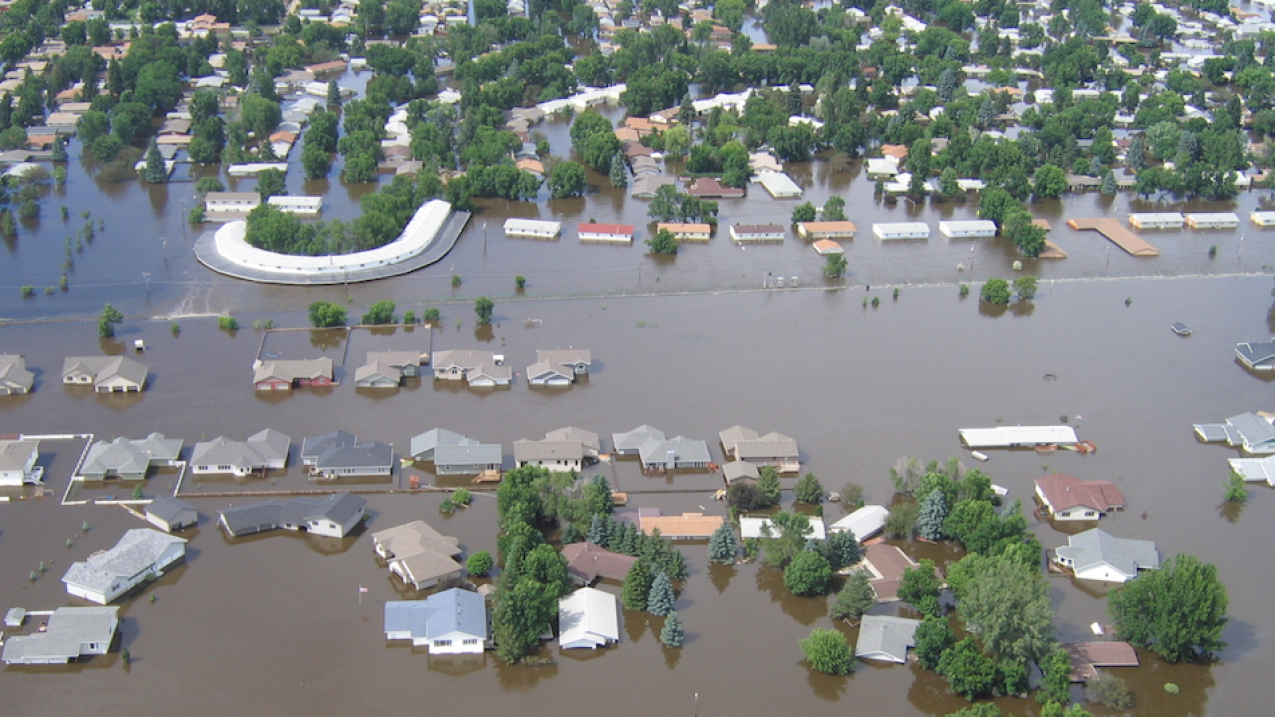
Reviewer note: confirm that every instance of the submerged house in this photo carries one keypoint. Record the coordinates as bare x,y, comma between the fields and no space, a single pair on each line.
169,514
587,563
1097,555
559,367
1256,356
129,459
452,622
107,374
756,526
71,633
340,455
454,454
863,523
687,526
885,638
588,618
141,555
1251,432
387,369
658,453
264,450
14,376
476,368
17,463
333,516
421,556
284,375
772,449
1069,498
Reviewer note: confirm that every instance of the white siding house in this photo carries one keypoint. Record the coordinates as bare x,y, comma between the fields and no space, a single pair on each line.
17,463
231,202
533,228
303,206
609,233
901,230
142,554
961,230
1157,220
743,233
1212,220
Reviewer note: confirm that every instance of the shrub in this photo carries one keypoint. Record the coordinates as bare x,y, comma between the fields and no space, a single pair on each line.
1110,692
520,282
995,291
432,316
227,323
462,496
479,563
828,652
28,291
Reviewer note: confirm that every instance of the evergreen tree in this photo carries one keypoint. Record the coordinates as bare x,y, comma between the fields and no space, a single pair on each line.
986,112
856,597
334,94
947,85
155,171
1095,166
721,545
8,227
619,177
841,549
672,634
59,149
659,601
929,524
809,490
686,112
598,533
1108,183
571,534
1137,156
637,586
768,486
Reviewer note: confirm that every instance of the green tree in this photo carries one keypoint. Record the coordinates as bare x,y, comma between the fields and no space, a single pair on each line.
619,177
808,574
483,308
637,586
835,265
567,180
59,149
270,183
721,545
659,602
933,637
227,323
382,312
768,486
106,147
663,242
334,94
921,587
1049,182
315,161
1177,611
969,672
1025,287
1110,692
672,634
834,210
856,597
929,524
1007,605
1235,490
828,652
841,549
786,537
901,523
809,490
1055,683
326,315
995,291
107,322
803,213
983,709
479,563
521,615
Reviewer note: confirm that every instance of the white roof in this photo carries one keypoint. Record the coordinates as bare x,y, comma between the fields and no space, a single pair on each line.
1157,217
288,200
863,523
134,553
977,225
883,165
588,617
750,526
778,183
537,225
880,228
1214,217
1009,436
418,234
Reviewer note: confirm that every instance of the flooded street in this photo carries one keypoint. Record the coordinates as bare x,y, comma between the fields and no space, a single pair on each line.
274,623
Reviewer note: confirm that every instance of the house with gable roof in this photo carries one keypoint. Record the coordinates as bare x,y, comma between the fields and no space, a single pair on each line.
1097,555
588,618
141,555
332,516
451,622
129,459
476,368
418,554
264,450
107,374
1068,498
885,638
14,376
70,633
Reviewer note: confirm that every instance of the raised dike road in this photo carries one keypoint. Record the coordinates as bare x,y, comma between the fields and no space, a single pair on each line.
428,237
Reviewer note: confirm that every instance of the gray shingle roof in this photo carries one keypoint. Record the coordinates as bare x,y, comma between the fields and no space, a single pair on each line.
633,440
358,455
444,613
134,553
429,441
125,456
312,447
270,514
1096,546
883,637
69,629
468,455
168,508
685,450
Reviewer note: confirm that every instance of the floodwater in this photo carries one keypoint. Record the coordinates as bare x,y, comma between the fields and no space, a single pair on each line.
274,623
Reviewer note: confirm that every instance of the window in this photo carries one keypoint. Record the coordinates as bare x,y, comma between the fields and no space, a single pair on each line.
1090,513
469,641
442,643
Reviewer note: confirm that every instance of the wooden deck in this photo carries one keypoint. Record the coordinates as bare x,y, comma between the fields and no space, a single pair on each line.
1117,233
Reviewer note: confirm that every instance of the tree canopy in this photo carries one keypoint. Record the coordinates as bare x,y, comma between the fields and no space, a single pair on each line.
1177,611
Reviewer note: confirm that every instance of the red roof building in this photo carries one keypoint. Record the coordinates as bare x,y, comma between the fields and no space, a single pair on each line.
1069,498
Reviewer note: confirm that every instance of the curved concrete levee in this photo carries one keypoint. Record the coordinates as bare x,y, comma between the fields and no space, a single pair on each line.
427,238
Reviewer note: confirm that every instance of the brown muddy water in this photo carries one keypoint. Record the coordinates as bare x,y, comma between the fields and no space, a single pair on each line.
273,624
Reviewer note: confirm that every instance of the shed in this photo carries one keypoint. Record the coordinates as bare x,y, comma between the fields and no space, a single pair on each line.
168,513
779,185
961,230
532,228
588,618
886,231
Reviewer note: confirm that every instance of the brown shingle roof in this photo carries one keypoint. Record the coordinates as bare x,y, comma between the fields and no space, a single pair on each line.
588,562
1064,492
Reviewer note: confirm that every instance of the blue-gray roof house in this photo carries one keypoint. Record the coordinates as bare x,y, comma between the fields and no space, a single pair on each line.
882,637
333,516
451,622
1256,356
339,454
1097,555
1253,433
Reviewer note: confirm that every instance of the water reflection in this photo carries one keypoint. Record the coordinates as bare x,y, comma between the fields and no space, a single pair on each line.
805,611
721,576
